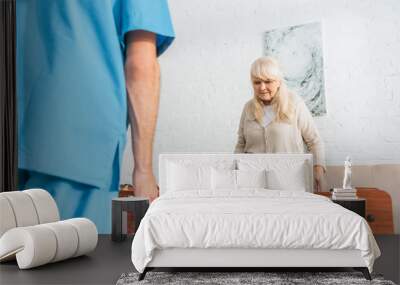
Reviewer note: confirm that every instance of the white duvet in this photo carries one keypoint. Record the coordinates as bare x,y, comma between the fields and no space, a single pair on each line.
250,219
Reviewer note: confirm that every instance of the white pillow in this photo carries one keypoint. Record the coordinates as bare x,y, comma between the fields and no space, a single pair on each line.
251,178
188,177
281,174
293,180
223,179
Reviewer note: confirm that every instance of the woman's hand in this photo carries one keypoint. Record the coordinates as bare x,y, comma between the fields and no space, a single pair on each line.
318,175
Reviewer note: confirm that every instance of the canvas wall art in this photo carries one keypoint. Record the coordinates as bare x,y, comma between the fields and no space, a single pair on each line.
299,50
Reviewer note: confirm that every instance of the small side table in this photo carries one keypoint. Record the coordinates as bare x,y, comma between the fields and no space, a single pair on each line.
136,205
357,205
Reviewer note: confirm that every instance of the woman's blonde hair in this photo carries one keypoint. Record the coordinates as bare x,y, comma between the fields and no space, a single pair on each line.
268,68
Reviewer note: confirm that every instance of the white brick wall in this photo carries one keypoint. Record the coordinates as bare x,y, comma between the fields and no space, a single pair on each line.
205,74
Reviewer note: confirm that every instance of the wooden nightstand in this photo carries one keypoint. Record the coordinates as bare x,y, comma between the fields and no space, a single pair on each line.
378,207
357,206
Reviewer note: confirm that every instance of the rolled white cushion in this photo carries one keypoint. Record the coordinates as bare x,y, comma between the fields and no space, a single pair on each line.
46,207
23,208
87,234
33,246
37,245
7,218
67,240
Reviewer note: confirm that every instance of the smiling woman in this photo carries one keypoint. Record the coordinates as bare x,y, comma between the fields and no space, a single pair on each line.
277,121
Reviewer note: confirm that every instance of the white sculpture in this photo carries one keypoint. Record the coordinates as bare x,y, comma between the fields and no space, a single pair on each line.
347,174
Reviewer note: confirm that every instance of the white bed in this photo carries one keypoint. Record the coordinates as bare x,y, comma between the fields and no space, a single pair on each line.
241,210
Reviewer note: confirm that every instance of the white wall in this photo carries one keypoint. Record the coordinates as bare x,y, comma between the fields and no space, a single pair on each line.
205,75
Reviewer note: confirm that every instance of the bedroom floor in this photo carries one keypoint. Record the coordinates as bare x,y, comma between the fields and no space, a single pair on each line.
110,260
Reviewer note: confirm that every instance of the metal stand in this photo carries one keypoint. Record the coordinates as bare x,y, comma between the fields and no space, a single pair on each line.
364,271
143,274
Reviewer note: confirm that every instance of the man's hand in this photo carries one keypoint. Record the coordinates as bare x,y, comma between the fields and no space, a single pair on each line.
142,75
318,176
145,185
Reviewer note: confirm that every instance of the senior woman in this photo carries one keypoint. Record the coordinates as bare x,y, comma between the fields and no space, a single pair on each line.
277,121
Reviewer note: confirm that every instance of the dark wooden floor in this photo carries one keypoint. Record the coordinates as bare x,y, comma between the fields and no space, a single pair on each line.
110,260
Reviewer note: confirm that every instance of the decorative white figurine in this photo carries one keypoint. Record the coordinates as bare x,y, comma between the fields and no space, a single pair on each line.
347,174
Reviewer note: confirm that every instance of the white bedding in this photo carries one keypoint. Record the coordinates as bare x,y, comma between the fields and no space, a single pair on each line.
252,218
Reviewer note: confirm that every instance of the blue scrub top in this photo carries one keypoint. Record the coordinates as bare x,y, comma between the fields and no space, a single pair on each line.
72,104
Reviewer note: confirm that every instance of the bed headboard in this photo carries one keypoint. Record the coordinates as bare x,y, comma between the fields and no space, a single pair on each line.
234,160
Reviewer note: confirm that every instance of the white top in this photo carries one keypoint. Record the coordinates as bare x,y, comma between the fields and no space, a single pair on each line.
269,115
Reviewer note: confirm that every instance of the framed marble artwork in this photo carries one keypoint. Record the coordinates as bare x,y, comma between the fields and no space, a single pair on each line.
299,51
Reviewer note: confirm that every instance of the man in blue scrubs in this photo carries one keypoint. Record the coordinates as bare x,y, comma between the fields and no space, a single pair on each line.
81,65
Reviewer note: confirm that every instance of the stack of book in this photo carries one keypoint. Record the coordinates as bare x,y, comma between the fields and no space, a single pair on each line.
344,194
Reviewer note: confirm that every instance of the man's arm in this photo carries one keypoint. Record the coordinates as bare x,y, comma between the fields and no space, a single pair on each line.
142,75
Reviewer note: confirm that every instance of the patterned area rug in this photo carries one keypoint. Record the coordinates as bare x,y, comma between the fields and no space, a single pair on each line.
230,278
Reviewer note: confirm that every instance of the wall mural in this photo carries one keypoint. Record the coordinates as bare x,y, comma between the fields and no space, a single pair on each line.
299,50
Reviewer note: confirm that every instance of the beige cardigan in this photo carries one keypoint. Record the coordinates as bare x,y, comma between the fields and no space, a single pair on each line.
277,137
